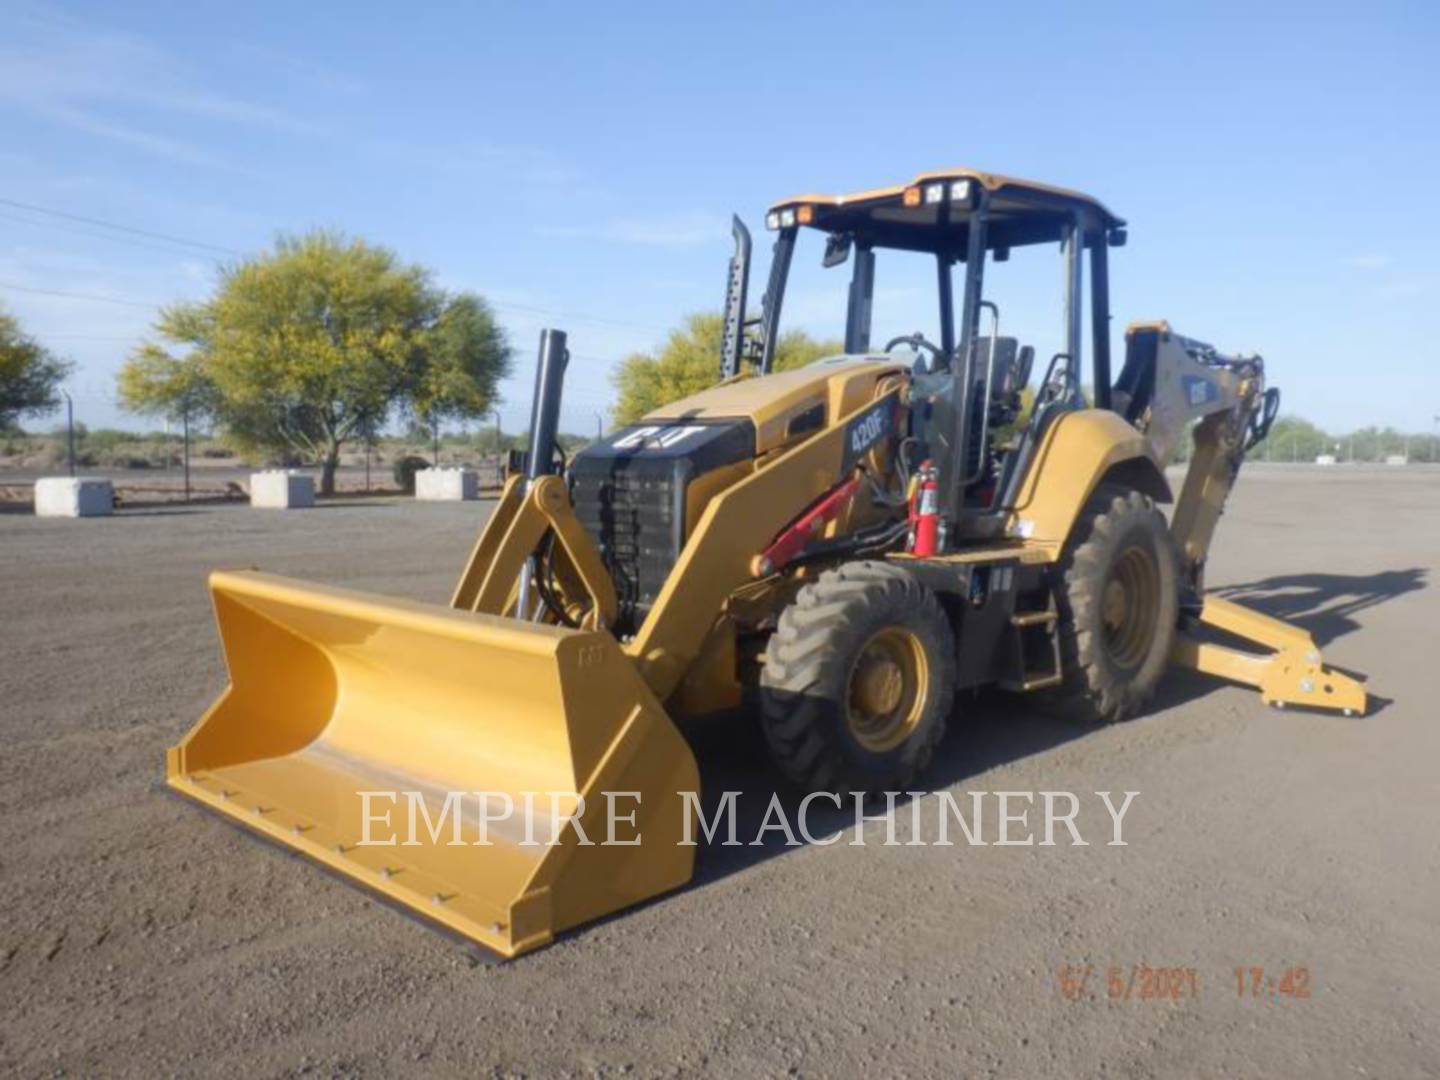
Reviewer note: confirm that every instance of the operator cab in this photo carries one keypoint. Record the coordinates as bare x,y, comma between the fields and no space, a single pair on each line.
959,219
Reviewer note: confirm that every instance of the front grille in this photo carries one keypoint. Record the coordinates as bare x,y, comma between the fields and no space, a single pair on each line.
629,491
632,519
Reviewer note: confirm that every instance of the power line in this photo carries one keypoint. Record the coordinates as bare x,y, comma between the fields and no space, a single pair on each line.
571,316
154,306
167,237
92,234
78,296
576,316
187,242
93,337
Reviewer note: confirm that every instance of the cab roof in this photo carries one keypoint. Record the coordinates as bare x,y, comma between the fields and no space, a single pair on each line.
932,212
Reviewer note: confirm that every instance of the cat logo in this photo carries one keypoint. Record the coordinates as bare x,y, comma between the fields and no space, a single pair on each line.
656,438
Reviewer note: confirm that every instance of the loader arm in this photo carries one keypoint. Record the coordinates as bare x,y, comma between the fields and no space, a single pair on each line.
519,522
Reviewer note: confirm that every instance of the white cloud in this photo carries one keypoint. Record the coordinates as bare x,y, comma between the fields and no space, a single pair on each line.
1369,261
673,231
117,86
298,68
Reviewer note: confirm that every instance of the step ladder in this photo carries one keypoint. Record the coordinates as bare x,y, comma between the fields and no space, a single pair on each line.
1034,645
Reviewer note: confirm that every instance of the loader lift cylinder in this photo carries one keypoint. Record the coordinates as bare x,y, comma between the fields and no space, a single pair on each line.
544,421
545,407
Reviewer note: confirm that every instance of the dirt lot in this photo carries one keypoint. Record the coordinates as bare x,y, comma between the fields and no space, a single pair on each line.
140,935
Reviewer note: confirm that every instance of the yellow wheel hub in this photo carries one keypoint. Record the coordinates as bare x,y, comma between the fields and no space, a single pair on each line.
1128,606
887,690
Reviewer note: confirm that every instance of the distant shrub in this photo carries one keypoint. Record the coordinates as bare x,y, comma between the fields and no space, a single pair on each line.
106,440
45,455
405,469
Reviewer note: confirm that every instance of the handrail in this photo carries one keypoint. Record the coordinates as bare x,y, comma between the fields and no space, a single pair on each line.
970,478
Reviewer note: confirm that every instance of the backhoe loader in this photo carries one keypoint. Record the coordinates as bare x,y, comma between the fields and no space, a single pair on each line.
844,547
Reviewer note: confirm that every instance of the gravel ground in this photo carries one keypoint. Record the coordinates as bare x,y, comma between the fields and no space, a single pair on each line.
140,935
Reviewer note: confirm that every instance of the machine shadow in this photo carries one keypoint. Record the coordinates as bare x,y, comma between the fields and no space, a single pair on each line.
987,728
1325,605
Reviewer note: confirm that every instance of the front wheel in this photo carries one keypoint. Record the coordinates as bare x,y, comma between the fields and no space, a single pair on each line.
858,681
1118,604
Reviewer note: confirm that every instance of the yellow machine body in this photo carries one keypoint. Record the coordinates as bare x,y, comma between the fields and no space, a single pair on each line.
475,762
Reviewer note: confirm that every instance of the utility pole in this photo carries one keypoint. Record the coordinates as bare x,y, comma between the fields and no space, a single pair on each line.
69,430
599,427
499,450
185,429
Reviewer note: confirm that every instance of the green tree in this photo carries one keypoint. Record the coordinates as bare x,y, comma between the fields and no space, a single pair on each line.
30,374
306,348
1294,439
689,362
153,382
460,380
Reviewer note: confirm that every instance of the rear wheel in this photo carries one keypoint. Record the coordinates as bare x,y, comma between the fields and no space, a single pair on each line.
1118,604
858,680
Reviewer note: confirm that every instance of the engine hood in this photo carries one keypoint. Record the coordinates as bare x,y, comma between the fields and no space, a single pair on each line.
787,405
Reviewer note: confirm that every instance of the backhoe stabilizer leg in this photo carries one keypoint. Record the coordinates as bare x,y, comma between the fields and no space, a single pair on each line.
1292,673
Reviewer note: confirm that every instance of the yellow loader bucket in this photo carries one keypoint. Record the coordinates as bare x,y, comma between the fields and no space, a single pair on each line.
386,739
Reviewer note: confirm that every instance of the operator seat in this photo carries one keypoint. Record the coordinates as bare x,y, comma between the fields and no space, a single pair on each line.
1135,387
984,399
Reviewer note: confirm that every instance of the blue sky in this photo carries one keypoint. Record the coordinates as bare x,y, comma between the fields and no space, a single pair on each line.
577,164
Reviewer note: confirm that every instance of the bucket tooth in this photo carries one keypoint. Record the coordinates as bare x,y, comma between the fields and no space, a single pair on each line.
385,739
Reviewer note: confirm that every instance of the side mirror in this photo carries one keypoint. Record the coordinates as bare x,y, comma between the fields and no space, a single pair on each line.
837,249
1117,237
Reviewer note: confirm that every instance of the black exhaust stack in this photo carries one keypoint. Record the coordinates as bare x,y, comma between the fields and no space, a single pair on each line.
732,345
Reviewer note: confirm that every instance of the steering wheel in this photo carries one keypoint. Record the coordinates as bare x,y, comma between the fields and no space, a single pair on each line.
916,341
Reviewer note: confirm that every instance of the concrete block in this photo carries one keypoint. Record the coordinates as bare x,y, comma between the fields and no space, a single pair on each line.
282,489
1325,459
1396,459
447,485
73,496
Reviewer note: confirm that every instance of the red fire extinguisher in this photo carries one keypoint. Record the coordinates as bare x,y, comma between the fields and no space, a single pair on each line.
925,512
